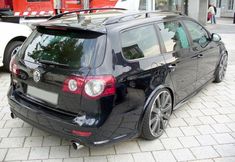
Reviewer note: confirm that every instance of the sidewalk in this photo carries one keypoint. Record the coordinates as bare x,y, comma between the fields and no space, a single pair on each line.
223,26
225,21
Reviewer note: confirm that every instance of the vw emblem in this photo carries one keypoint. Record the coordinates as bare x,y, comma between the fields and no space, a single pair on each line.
36,75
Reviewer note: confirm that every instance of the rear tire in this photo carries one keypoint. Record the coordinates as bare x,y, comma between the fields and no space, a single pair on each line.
157,115
222,68
11,49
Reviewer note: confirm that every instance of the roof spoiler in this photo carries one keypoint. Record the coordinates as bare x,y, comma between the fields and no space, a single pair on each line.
48,28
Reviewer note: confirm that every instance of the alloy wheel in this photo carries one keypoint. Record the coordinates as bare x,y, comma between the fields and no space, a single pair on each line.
15,50
160,113
223,66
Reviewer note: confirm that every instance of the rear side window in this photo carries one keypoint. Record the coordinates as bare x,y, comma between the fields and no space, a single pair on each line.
73,49
173,35
140,42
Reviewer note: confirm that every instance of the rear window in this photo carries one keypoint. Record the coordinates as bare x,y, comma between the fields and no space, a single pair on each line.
73,49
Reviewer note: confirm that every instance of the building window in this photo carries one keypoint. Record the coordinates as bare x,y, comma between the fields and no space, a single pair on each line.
218,3
230,4
143,5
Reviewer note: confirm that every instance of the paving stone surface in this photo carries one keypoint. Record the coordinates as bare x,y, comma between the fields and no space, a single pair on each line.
201,130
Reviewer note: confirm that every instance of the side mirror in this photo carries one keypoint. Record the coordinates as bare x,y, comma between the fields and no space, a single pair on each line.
215,37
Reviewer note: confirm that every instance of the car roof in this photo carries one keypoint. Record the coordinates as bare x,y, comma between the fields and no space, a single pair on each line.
99,21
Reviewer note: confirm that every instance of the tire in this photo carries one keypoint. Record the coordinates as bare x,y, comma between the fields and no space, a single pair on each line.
10,50
221,69
157,115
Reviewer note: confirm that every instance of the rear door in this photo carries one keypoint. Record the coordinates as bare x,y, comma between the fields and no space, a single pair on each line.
52,57
143,66
206,50
180,61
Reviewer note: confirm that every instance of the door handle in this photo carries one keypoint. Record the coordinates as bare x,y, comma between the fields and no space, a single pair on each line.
195,49
199,55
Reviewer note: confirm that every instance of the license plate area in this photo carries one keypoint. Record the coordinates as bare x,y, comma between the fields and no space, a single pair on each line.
43,95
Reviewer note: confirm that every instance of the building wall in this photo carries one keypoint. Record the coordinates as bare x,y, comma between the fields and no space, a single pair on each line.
223,8
197,9
193,8
225,12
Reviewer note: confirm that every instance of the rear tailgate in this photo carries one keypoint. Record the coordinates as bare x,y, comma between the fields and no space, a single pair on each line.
48,58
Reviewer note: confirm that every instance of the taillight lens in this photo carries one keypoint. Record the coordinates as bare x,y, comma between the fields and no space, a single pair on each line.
13,66
74,85
93,87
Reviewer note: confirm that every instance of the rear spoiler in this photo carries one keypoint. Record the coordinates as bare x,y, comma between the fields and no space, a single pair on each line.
66,29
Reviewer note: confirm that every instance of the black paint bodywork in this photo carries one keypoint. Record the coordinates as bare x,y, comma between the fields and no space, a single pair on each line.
117,117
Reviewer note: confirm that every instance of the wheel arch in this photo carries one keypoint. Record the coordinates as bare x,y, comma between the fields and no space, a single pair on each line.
18,38
149,100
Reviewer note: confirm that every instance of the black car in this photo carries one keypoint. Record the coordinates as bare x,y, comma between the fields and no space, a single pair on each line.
101,77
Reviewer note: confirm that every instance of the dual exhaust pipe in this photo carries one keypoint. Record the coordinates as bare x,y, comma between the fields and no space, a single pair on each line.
75,145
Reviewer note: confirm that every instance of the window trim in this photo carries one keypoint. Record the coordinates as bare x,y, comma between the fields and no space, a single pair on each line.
135,27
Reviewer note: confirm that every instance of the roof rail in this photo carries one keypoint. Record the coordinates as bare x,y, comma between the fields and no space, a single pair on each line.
84,10
175,12
146,14
113,20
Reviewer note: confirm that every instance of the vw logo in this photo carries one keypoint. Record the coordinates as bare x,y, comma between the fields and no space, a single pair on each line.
36,75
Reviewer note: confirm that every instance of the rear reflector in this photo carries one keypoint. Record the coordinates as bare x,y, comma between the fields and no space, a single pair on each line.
80,133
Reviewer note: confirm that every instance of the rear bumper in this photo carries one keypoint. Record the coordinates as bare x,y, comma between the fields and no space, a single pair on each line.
113,129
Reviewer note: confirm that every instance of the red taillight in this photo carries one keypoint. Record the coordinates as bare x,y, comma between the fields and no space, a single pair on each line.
80,133
76,88
13,66
93,87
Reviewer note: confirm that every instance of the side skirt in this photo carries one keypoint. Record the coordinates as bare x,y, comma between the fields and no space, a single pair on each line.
185,100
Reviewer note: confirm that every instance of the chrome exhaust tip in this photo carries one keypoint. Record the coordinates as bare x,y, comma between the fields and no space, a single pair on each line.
13,116
77,146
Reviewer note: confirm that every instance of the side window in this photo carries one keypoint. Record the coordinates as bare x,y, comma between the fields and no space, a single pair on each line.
197,32
140,42
173,35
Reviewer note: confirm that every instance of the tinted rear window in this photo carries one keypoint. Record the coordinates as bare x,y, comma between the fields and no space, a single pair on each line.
74,49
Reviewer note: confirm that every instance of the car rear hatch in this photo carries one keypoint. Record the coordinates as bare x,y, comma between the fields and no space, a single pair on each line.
49,59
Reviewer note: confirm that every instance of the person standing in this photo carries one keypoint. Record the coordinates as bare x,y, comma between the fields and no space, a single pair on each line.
57,6
211,11
215,9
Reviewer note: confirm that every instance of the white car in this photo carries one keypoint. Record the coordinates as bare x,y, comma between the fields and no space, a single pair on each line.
11,38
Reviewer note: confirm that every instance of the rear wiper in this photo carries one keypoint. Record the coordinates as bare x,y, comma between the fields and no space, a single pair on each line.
52,63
